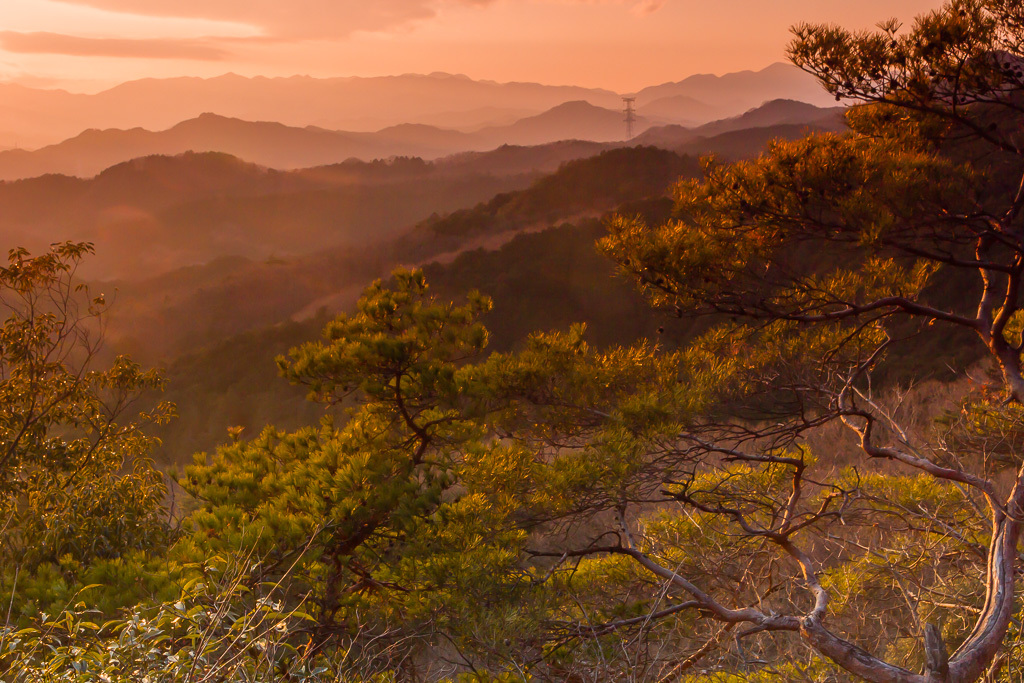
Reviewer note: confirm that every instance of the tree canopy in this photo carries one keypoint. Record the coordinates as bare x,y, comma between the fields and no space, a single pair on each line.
846,236
76,485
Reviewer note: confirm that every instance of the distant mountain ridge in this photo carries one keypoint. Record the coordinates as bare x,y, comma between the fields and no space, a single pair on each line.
733,137
278,146
262,142
284,147
156,212
773,113
733,93
38,117
576,120
47,116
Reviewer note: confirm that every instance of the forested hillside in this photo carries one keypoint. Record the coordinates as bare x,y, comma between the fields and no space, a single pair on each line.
160,317
539,260
156,214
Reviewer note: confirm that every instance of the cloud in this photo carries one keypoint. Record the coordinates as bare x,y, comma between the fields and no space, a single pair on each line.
58,43
644,7
289,18
323,19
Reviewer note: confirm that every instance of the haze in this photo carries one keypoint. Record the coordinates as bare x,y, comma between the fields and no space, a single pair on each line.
622,45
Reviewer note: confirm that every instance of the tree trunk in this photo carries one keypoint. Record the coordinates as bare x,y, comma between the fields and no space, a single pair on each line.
936,668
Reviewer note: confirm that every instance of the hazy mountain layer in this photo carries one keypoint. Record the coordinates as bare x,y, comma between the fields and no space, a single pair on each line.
733,138
37,117
161,316
283,147
734,93
155,214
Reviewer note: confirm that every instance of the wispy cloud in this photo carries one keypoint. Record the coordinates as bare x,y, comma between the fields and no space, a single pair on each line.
58,43
648,6
320,19
316,19
638,7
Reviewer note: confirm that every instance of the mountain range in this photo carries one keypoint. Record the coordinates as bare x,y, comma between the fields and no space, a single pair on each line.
732,93
223,240
157,213
38,117
276,145
154,213
735,136
279,146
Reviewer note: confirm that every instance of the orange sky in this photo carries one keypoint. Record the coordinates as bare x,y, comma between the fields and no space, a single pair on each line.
623,45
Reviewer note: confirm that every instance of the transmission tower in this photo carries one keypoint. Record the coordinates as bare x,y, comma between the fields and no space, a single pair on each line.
630,116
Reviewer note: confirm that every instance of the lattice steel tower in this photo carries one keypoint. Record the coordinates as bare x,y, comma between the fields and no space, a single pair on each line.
630,116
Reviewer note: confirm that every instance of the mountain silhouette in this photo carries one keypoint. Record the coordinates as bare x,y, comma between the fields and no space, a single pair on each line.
734,93
733,137
681,110
363,104
156,213
578,120
773,113
279,146
42,117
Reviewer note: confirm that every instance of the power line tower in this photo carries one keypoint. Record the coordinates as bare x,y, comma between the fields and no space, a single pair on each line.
630,116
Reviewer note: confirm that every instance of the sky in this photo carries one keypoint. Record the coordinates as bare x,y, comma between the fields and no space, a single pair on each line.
622,45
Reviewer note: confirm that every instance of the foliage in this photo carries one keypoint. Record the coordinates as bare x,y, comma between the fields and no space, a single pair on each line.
377,516
77,488
216,629
835,242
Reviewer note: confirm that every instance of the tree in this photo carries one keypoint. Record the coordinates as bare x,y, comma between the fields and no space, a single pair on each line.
833,256
388,525
76,486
